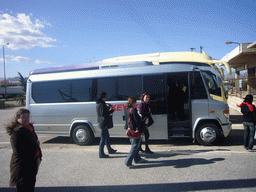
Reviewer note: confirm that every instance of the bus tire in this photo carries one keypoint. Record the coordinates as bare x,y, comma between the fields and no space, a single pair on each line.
207,134
82,135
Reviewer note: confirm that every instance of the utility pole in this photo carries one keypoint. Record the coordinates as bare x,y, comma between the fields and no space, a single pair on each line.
5,92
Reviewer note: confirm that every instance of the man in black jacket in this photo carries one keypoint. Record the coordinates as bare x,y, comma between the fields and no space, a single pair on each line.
249,120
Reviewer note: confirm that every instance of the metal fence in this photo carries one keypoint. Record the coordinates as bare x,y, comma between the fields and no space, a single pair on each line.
242,88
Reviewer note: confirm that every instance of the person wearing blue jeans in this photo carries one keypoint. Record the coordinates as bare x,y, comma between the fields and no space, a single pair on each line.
103,112
249,131
134,153
133,122
249,120
105,141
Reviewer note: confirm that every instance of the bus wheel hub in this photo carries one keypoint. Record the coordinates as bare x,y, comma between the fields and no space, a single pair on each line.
208,134
81,135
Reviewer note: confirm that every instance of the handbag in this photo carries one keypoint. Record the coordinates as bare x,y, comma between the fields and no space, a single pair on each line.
106,122
150,121
109,121
130,133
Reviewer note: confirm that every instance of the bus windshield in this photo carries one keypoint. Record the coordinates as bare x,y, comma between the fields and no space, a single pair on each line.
213,83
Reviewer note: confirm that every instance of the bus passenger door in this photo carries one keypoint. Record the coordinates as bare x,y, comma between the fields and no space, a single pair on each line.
178,105
155,85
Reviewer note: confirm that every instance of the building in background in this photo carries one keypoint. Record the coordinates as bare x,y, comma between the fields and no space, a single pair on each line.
243,57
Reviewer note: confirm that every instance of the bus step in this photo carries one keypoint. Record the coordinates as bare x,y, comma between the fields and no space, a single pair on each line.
179,132
179,129
179,135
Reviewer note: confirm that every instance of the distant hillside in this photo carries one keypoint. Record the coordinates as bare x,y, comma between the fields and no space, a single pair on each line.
11,79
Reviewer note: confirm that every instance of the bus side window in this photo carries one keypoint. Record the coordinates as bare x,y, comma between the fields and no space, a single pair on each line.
155,86
81,90
197,87
51,91
108,85
120,88
129,86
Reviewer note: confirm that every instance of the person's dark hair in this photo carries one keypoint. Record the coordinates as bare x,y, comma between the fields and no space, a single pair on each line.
248,98
143,95
102,95
14,123
131,100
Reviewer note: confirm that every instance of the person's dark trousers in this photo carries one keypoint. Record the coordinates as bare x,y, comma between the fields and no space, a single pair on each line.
104,140
25,188
134,152
249,131
146,133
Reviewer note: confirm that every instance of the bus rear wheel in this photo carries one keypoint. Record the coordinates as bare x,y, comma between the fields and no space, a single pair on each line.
82,135
207,134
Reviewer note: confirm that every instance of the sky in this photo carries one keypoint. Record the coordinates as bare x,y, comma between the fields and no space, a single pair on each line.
40,34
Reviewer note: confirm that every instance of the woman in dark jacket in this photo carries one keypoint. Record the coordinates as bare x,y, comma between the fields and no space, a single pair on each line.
134,124
26,155
147,119
249,120
103,112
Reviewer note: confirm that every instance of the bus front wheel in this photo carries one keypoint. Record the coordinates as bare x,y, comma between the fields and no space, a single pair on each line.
82,135
207,134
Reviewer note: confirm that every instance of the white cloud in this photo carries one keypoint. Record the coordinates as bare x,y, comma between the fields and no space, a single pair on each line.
22,33
21,59
42,62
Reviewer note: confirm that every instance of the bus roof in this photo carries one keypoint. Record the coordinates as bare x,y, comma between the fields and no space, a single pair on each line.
140,60
158,58
85,66
90,66
114,72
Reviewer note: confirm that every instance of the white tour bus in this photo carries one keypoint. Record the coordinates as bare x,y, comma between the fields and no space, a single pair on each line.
187,98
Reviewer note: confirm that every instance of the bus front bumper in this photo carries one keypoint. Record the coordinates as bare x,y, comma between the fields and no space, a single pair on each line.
227,129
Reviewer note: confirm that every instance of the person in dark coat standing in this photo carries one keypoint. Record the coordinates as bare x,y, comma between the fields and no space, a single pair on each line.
26,155
147,120
249,120
103,112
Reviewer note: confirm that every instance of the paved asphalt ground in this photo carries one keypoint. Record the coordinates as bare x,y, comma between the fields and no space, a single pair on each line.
176,165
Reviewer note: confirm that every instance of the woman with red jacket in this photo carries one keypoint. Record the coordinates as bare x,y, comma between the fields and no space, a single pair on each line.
249,120
133,122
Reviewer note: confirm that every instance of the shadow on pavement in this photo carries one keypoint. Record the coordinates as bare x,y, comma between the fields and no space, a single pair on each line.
187,186
173,153
179,163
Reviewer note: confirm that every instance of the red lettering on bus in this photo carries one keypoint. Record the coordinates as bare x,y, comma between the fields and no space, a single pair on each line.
113,107
119,107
